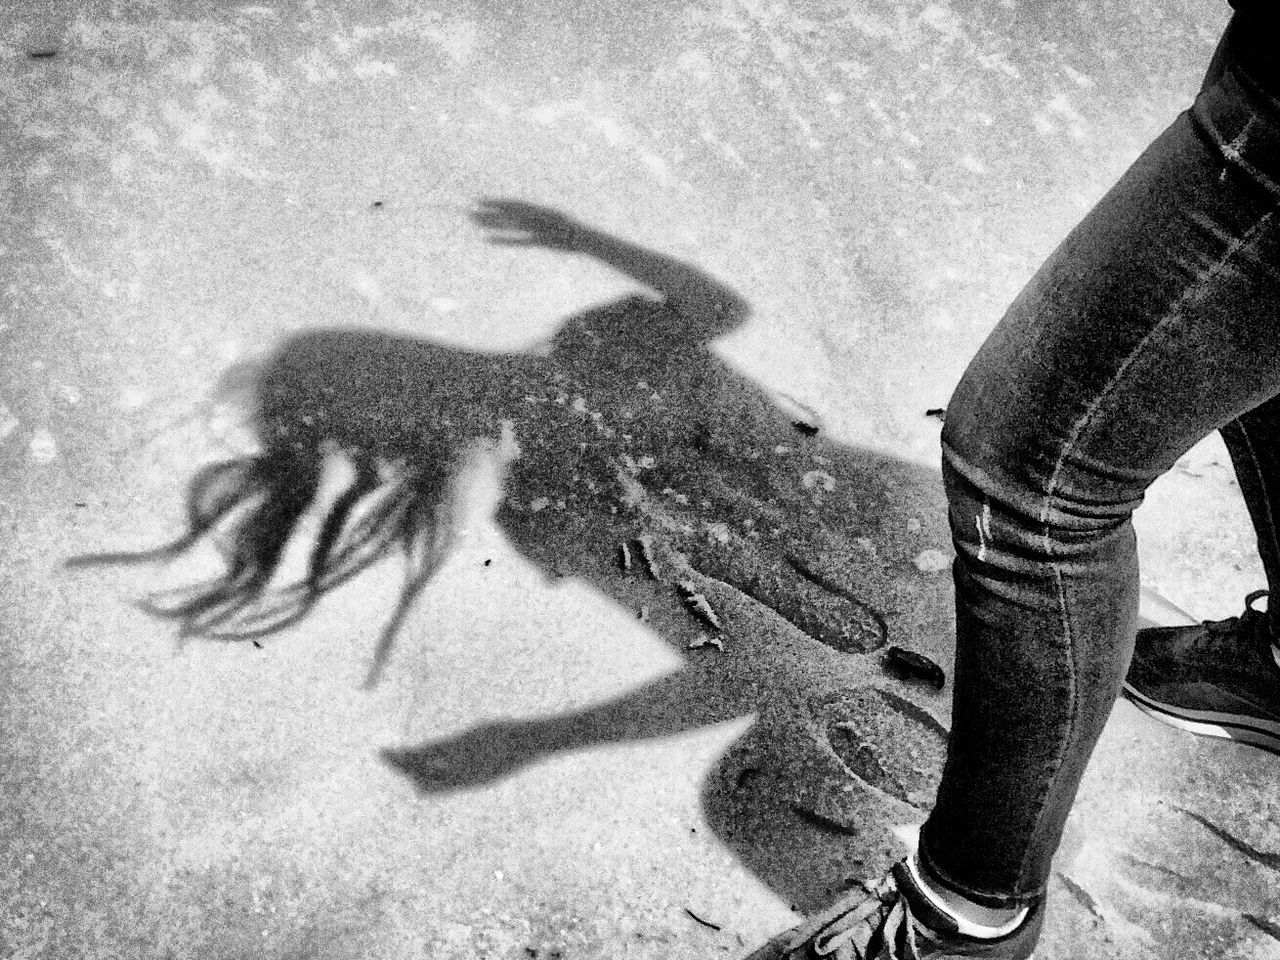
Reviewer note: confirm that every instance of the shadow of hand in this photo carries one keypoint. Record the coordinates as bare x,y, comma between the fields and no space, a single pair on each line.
515,223
480,756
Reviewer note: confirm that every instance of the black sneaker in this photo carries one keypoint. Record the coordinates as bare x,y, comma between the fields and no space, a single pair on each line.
892,919
1219,679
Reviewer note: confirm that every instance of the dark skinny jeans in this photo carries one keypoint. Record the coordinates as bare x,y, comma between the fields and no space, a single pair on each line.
1156,322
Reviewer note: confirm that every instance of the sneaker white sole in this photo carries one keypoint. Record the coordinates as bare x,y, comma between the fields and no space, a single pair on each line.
1257,733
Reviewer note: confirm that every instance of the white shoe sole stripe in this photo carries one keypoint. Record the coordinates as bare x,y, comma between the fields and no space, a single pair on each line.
1251,730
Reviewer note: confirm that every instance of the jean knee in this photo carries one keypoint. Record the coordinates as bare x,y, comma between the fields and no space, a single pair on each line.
981,469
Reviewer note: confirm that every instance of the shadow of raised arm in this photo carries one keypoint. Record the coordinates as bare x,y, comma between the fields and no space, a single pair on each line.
712,307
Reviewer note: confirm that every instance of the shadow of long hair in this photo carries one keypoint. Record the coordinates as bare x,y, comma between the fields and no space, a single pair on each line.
317,403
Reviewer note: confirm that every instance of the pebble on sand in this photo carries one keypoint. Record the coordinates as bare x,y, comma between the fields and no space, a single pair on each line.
932,561
43,447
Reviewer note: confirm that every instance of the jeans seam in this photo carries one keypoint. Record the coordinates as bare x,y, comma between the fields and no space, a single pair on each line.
1230,150
1173,312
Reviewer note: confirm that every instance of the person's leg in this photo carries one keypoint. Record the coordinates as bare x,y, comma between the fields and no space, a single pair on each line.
1253,440
1221,678
1153,324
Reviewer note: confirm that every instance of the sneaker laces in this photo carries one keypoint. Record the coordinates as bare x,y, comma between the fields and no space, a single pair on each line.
1232,626
861,927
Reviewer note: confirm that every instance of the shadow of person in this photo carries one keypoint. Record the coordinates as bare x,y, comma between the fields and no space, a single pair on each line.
778,561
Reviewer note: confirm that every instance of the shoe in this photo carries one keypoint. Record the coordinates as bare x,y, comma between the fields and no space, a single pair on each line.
892,919
1220,678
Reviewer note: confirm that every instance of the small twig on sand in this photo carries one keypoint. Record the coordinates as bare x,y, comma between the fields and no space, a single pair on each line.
705,923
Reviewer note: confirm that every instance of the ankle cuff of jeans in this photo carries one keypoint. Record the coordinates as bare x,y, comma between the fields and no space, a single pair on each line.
922,905
996,901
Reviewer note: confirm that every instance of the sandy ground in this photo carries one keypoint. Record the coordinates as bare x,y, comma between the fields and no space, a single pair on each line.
556,762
